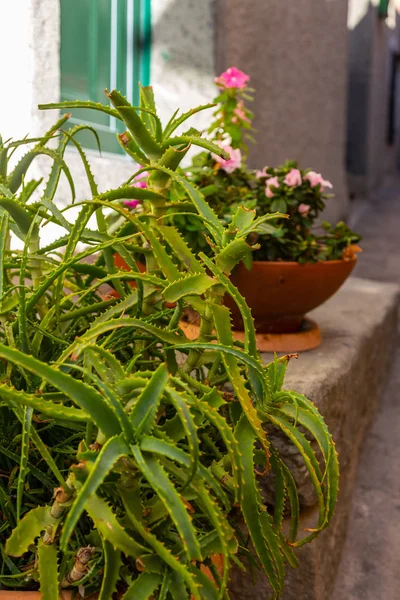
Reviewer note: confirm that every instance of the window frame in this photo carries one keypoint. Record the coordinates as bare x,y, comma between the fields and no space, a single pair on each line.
129,53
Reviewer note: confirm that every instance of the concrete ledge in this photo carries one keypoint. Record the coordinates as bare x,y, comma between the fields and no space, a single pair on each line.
345,378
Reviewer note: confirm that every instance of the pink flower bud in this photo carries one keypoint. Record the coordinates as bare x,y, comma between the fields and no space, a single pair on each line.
304,209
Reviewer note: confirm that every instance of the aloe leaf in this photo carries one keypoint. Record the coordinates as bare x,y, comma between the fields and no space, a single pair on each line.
143,587
177,588
313,468
234,252
18,213
129,145
17,175
66,264
292,495
311,419
112,566
140,134
110,530
167,266
248,321
56,213
74,238
207,588
46,407
3,246
196,141
265,540
180,248
227,437
189,285
224,335
109,368
242,218
190,431
162,485
87,398
96,330
255,225
129,192
48,571
28,529
162,551
70,136
150,118
23,465
202,207
114,449
171,159
259,385
276,371
28,189
168,450
81,104
175,122
39,475
224,349
146,407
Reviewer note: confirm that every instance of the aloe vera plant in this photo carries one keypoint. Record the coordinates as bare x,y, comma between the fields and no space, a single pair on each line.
161,440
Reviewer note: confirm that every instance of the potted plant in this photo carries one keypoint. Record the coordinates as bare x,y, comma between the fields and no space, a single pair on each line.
127,464
293,265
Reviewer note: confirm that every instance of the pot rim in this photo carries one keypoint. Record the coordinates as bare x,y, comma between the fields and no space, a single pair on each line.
295,263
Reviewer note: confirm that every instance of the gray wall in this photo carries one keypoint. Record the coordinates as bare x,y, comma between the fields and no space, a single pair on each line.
297,60
370,43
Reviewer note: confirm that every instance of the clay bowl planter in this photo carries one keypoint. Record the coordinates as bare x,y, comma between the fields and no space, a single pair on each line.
280,294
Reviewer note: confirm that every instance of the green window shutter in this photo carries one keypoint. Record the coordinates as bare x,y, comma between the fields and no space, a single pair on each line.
104,44
383,8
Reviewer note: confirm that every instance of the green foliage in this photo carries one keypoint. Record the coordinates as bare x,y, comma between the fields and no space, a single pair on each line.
105,399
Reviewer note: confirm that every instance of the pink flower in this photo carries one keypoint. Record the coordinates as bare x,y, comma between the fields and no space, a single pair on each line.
273,182
316,178
293,178
232,78
131,203
262,173
140,182
235,160
304,209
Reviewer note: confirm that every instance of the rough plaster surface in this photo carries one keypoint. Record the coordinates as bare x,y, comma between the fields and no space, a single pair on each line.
297,60
183,56
345,378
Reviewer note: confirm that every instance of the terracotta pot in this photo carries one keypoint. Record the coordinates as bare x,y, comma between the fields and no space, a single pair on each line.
281,293
122,265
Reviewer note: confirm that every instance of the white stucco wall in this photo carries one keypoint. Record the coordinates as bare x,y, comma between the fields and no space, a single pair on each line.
183,56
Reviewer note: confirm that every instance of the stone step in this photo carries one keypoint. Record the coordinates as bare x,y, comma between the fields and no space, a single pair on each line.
345,377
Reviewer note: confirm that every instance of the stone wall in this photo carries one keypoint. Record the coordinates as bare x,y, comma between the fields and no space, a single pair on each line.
345,378
297,60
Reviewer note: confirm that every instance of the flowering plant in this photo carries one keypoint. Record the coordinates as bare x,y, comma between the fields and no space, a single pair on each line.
229,183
